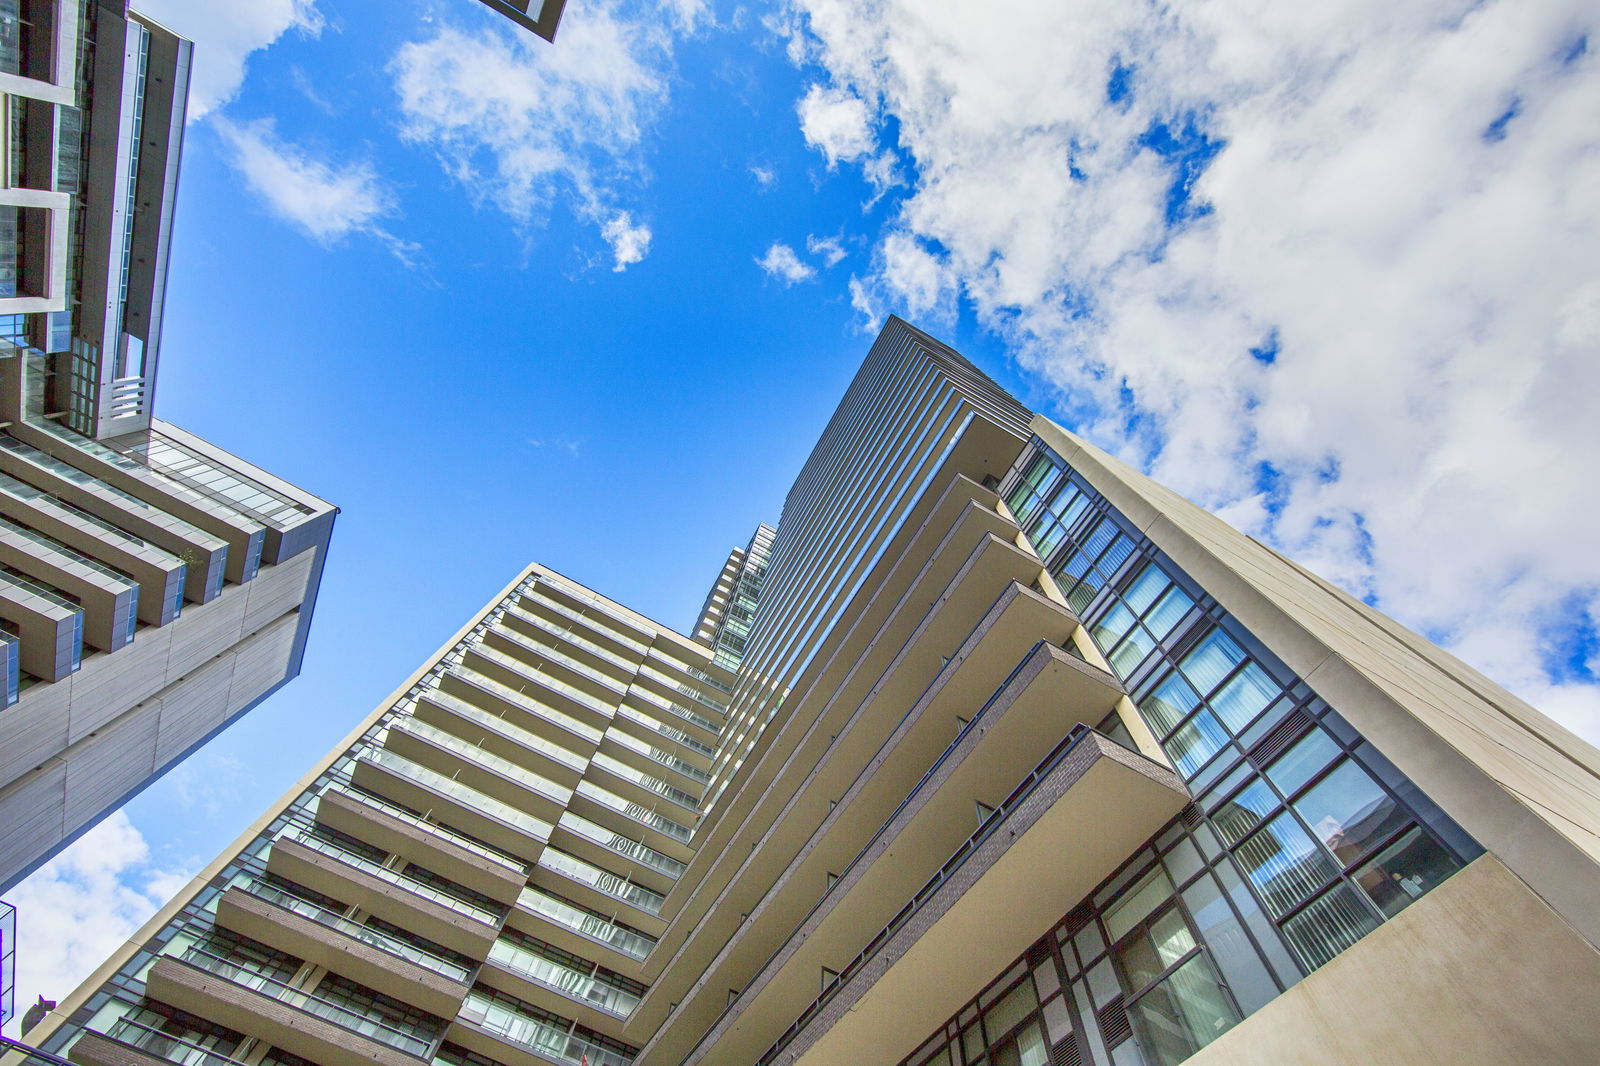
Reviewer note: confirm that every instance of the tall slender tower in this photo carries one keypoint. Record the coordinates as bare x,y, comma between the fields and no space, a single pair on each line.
991,753
153,587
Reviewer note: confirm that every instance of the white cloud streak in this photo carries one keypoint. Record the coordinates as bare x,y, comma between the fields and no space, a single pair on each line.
225,35
78,908
326,201
524,126
1398,216
782,264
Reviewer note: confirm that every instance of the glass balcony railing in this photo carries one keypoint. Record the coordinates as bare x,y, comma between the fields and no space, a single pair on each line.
550,1042
532,741
385,942
523,701
679,687
344,1017
568,635
628,848
473,754
665,758
460,840
611,884
585,987
687,800
180,1051
393,877
585,923
555,684
548,650
451,789
588,620
635,812
678,710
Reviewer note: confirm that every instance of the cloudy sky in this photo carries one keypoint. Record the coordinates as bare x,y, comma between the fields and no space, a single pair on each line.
1333,271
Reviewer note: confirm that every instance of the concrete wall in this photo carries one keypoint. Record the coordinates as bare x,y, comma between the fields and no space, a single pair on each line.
1524,787
1478,970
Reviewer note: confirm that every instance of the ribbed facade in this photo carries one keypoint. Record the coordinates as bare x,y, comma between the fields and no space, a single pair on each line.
1054,768
152,586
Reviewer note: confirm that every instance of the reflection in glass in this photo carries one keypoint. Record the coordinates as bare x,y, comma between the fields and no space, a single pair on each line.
1349,812
1405,870
1241,814
1303,761
1193,744
1182,1014
1283,863
1328,926
1167,705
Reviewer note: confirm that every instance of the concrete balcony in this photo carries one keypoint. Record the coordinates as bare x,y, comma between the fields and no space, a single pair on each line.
562,763
288,1018
1087,806
426,843
131,1044
365,955
421,788
385,892
491,774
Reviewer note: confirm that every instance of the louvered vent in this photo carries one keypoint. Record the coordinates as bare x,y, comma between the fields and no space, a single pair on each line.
1066,1053
1114,1025
1283,734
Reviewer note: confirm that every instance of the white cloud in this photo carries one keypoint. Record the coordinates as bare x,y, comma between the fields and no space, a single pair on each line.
629,242
829,249
781,262
1420,273
78,908
835,122
524,126
327,202
225,35
765,176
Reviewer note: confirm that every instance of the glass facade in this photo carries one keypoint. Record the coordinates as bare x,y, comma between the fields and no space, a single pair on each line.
1302,838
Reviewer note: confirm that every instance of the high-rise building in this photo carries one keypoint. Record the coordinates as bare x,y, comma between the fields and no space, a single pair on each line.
540,16
152,586
1025,760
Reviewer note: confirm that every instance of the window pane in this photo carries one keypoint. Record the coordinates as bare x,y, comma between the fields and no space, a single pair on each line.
1328,926
1303,761
1131,652
1169,704
1173,606
1005,1015
1239,701
1193,744
1110,628
1145,588
1182,1014
1211,661
1283,863
1241,814
1031,1050
1349,812
1404,871
1152,891
1115,556
1229,945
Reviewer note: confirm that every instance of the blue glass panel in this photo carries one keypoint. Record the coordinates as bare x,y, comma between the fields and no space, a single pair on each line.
1169,704
1145,588
1302,762
1212,660
1169,612
1349,812
1195,742
1239,701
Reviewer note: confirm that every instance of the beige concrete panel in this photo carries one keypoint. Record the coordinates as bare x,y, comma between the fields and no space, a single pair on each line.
104,767
193,708
206,630
296,1031
106,686
33,811
1477,970
33,730
276,590
261,661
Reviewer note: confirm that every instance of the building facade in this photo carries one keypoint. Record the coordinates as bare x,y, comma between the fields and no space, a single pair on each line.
153,587
540,16
991,753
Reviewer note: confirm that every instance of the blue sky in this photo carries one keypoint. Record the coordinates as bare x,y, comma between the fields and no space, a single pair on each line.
1331,273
